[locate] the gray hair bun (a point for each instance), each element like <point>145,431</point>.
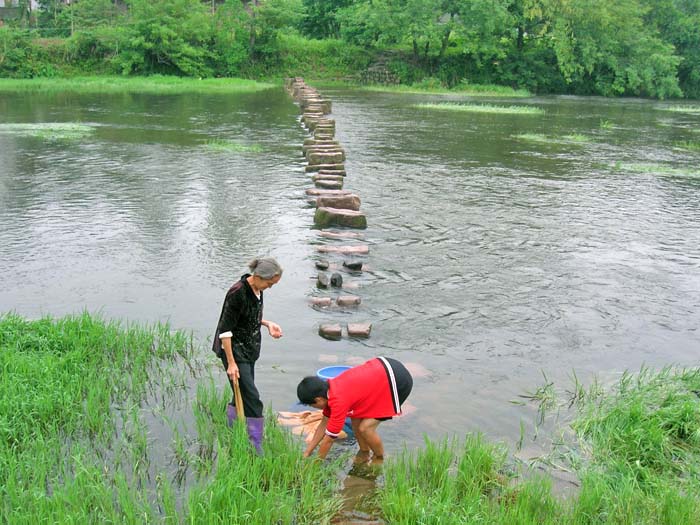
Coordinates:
<point>265,267</point>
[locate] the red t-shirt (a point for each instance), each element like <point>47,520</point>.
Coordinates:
<point>364,391</point>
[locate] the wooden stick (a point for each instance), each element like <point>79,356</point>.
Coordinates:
<point>239,401</point>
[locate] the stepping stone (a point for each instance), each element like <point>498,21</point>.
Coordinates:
<point>348,300</point>
<point>353,265</point>
<point>321,301</point>
<point>329,184</point>
<point>330,331</point>
<point>325,217</point>
<point>322,281</point>
<point>360,249</point>
<point>322,264</point>
<point>336,280</point>
<point>342,173</point>
<point>325,191</point>
<point>341,235</point>
<point>343,202</point>
<point>360,330</point>
<point>317,167</point>
<point>338,179</point>
<point>309,143</point>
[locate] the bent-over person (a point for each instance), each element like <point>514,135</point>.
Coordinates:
<point>368,394</point>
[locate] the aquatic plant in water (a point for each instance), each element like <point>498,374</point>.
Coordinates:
<point>48,130</point>
<point>680,109</point>
<point>232,146</point>
<point>657,169</point>
<point>687,145</point>
<point>463,88</point>
<point>483,108</point>
<point>546,139</point>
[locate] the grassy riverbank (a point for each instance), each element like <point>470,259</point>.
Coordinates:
<point>156,84</point>
<point>75,446</point>
<point>636,452</point>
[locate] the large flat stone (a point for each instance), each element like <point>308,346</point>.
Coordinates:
<point>325,191</point>
<point>360,249</point>
<point>330,331</point>
<point>325,217</point>
<point>361,330</point>
<point>348,300</point>
<point>317,167</point>
<point>344,202</point>
<point>329,184</point>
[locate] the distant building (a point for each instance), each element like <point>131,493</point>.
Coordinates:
<point>11,8</point>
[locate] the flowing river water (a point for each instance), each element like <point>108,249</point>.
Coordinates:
<point>503,248</point>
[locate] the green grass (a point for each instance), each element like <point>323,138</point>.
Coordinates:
<point>695,110</point>
<point>657,169</point>
<point>232,146</point>
<point>688,145</point>
<point>75,446</point>
<point>484,108</point>
<point>157,84</point>
<point>636,452</point>
<point>48,130</point>
<point>480,90</point>
<point>547,139</point>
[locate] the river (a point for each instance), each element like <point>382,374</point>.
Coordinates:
<point>503,248</point>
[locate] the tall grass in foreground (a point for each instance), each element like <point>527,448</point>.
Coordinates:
<point>75,448</point>
<point>484,108</point>
<point>156,84</point>
<point>637,457</point>
<point>61,381</point>
<point>280,487</point>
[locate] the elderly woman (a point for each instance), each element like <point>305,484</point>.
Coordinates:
<point>237,340</point>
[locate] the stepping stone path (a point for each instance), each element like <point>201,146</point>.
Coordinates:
<point>335,207</point>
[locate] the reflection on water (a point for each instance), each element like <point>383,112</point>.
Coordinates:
<point>492,258</point>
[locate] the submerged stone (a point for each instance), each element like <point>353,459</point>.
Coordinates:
<point>353,265</point>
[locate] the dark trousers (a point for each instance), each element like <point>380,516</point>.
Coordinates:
<point>252,405</point>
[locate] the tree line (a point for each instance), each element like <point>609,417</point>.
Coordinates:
<point>645,48</point>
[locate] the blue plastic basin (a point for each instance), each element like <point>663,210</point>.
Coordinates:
<point>329,372</point>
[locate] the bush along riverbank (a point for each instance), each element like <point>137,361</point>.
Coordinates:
<point>90,432</point>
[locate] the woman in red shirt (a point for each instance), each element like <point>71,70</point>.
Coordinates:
<point>368,394</point>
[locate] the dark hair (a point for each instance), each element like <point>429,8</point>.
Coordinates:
<point>310,388</point>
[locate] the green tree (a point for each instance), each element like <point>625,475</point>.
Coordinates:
<point>320,18</point>
<point>167,36</point>
<point>678,22</point>
<point>606,48</point>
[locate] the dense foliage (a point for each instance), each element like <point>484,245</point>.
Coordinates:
<point>627,47</point>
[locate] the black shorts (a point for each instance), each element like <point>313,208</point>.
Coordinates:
<point>404,382</point>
